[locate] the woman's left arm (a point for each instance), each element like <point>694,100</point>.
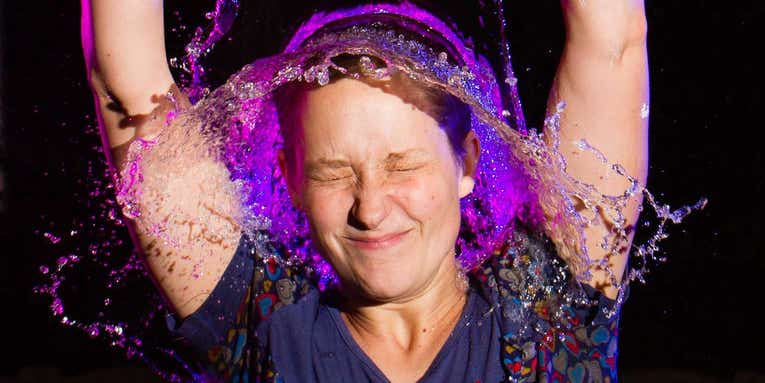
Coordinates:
<point>603,78</point>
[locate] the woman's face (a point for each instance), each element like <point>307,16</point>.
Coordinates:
<point>380,187</point>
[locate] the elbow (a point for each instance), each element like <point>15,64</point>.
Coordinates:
<point>95,76</point>
<point>100,88</point>
<point>607,37</point>
<point>96,80</point>
<point>635,32</point>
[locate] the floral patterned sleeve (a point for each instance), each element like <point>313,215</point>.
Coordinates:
<point>585,352</point>
<point>218,338</point>
<point>554,329</point>
<point>274,286</point>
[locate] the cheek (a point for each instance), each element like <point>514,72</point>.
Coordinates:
<point>430,197</point>
<point>327,209</point>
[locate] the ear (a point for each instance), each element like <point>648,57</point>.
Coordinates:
<point>472,147</point>
<point>289,179</point>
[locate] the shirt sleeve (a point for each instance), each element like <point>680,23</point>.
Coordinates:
<point>213,341</point>
<point>554,329</point>
<point>218,341</point>
<point>587,351</point>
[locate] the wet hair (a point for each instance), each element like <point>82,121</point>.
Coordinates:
<point>451,113</point>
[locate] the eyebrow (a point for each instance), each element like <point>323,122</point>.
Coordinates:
<point>328,162</point>
<point>341,163</point>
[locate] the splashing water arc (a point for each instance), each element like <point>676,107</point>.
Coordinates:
<point>229,137</point>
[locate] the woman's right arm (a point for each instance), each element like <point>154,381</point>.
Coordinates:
<point>124,46</point>
<point>123,43</point>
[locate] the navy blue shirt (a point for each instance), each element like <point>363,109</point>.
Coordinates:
<point>328,352</point>
<point>268,323</point>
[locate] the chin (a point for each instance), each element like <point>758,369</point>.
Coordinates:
<point>388,285</point>
<point>384,275</point>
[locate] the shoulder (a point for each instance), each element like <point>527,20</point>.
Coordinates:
<point>290,321</point>
<point>551,325</point>
<point>524,262</point>
<point>535,290</point>
<point>285,339</point>
<point>277,286</point>
<point>284,297</point>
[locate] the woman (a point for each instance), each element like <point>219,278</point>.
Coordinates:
<point>377,163</point>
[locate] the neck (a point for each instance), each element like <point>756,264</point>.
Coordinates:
<point>414,321</point>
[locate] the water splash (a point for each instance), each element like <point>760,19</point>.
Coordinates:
<point>201,44</point>
<point>99,259</point>
<point>234,126</point>
<point>96,254</point>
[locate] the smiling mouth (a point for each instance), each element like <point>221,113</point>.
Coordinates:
<point>375,243</point>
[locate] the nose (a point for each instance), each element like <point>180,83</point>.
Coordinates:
<point>370,207</point>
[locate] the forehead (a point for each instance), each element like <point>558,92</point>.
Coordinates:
<point>354,119</point>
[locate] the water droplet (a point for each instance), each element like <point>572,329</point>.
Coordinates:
<point>52,238</point>
<point>454,79</point>
<point>442,59</point>
<point>323,77</point>
<point>644,111</point>
<point>56,307</point>
<point>367,65</point>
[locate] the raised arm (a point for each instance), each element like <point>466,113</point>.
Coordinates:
<point>124,46</point>
<point>123,43</point>
<point>603,78</point>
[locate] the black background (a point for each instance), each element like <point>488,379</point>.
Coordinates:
<point>698,312</point>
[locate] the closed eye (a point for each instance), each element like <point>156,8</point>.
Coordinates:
<point>329,178</point>
<point>404,169</point>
